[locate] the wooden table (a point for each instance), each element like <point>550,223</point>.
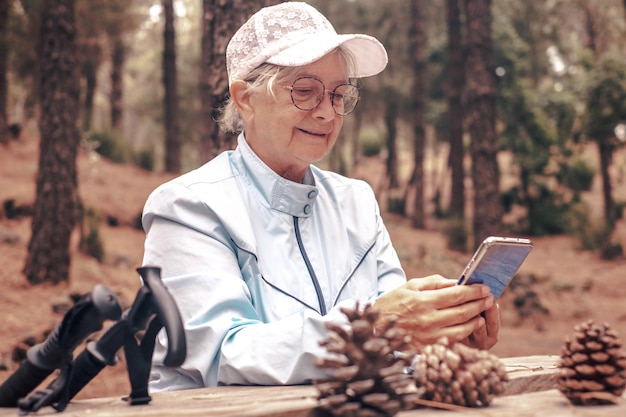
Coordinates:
<point>530,393</point>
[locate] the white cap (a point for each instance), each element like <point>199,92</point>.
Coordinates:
<point>295,34</point>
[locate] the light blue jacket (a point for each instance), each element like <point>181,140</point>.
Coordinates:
<point>258,264</point>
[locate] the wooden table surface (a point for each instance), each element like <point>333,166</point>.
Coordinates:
<point>530,393</point>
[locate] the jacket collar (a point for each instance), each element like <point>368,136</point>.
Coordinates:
<point>280,194</point>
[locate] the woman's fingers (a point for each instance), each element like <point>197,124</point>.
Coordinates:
<point>456,323</point>
<point>492,326</point>
<point>433,307</point>
<point>463,313</point>
<point>486,336</point>
<point>457,333</point>
<point>431,282</point>
<point>444,293</point>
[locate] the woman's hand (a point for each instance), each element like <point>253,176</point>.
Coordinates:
<point>486,336</point>
<point>433,307</point>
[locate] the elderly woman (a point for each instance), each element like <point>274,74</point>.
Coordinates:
<point>260,248</point>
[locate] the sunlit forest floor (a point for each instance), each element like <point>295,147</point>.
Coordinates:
<point>558,286</point>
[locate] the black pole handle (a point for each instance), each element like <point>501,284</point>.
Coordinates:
<point>168,314</point>
<point>98,354</point>
<point>84,318</point>
<point>25,379</point>
<point>153,307</point>
<point>86,367</point>
<point>152,299</point>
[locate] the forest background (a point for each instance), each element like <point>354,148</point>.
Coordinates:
<point>493,117</point>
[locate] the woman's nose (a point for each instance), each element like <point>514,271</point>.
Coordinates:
<point>325,108</point>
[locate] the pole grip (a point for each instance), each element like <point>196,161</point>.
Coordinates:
<point>168,314</point>
<point>86,367</point>
<point>27,377</point>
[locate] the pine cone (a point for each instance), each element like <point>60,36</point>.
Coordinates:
<point>370,378</point>
<point>458,374</point>
<point>592,365</point>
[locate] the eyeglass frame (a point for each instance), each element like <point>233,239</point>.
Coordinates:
<point>331,93</point>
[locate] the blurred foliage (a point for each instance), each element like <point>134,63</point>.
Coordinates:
<point>91,242</point>
<point>112,145</point>
<point>544,82</point>
<point>371,142</point>
<point>457,232</point>
<point>577,174</point>
<point>145,160</point>
<point>15,130</point>
<point>592,233</point>
<point>606,103</point>
<point>546,210</point>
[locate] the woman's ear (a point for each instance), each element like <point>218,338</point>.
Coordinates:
<point>241,97</point>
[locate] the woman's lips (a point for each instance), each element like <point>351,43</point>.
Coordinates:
<point>314,133</point>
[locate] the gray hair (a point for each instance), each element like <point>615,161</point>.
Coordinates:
<point>266,76</point>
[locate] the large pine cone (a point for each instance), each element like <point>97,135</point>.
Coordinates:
<point>370,378</point>
<point>592,365</point>
<point>458,374</point>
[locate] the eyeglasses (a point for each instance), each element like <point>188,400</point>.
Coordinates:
<point>308,92</point>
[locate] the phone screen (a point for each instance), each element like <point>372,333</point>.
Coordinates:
<point>496,262</point>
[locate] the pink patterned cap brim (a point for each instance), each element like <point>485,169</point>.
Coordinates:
<point>369,54</point>
<point>296,34</point>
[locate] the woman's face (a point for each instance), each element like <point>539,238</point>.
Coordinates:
<point>286,138</point>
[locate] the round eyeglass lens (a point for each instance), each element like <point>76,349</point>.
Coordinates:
<point>345,97</point>
<point>307,93</point>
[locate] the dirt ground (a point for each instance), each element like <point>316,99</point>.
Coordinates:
<point>558,285</point>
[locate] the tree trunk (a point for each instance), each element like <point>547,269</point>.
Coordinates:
<point>220,20</point>
<point>590,29</point>
<point>605,149</point>
<point>337,158</point>
<point>391,117</point>
<point>417,42</point>
<point>606,156</point>
<point>56,203</point>
<point>90,69</point>
<point>481,105</point>
<point>117,85</point>
<point>173,158</point>
<point>4,90</point>
<point>455,109</point>
<point>357,121</point>
<point>88,40</point>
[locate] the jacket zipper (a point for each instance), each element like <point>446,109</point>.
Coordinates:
<point>309,267</point>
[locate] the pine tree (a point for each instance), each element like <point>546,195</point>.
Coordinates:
<point>481,119</point>
<point>5,6</point>
<point>220,20</point>
<point>455,108</point>
<point>173,147</point>
<point>56,203</point>
<point>417,40</point>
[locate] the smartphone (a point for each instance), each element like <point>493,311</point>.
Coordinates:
<point>495,262</point>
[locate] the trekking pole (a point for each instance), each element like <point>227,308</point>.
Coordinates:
<point>84,318</point>
<point>154,308</point>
